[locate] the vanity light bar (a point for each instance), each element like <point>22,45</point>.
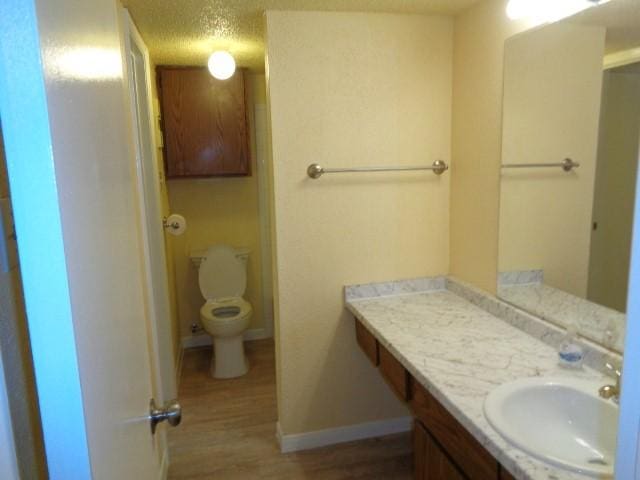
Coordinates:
<point>567,165</point>
<point>316,171</point>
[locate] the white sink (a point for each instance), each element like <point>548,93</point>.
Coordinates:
<point>560,421</point>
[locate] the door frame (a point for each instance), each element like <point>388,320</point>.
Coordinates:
<point>160,326</point>
<point>8,457</point>
<point>628,449</point>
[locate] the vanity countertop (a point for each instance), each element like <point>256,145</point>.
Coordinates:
<point>459,353</point>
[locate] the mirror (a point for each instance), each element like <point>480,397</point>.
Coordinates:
<point>571,130</point>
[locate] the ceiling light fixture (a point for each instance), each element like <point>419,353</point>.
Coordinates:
<point>221,65</point>
<point>547,10</point>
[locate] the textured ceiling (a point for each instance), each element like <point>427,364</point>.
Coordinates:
<point>185,32</point>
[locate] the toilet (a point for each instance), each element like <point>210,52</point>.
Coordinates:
<point>225,315</point>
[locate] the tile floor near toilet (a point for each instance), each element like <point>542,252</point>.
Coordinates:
<point>228,431</point>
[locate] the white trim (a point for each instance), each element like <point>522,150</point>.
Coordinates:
<point>164,465</point>
<point>157,283</point>
<point>619,59</point>
<point>203,339</point>
<point>628,449</point>
<point>194,341</point>
<point>256,334</point>
<point>331,436</point>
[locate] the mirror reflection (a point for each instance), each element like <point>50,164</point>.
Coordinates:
<point>571,124</point>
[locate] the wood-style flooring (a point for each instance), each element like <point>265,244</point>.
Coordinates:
<point>228,431</point>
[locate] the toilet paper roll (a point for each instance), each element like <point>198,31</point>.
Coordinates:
<point>175,224</point>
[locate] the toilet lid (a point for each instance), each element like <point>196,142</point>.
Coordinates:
<point>222,274</point>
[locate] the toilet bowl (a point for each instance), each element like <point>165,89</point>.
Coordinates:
<point>225,315</point>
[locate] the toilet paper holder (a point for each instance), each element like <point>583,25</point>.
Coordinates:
<point>172,225</point>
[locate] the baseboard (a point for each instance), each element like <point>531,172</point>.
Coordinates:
<point>321,438</point>
<point>201,340</point>
<point>164,465</point>
<point>256,334</point>
<point>193,341</point>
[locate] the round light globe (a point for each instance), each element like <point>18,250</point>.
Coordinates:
<point>221,65</point>
<point>518,9</point>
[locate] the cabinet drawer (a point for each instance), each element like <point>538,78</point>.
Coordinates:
<point>367,342</point>
<point>470,456</point>
<point>394,372</point>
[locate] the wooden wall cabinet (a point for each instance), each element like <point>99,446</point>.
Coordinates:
<point>204,123</point>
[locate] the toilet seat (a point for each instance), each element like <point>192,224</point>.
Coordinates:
<point>224,305</point>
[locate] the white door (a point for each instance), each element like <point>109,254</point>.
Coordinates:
<point>71,162</point>
<point>139,79</point>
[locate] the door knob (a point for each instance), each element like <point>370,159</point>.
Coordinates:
<point>171,412</point>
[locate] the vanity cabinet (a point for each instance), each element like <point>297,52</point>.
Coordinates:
<point>395,374</point>
<point>443,448</point>
<point>430,461</point>
<point>470,457</point>
<point>504,475</point>
<point>367,343</point>
<point>204,123</point>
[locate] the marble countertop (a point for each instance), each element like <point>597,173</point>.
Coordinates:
<point>594,321</point>
<point>460,352</point>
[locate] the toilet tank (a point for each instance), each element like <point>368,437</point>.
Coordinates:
<point>197,256</point>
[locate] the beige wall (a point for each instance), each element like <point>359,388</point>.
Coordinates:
<point>219,210</point>
<point>552,89</point>
<point>16,359</point>
<point>479,36</point>
<point>166,211</point>
<point>615,188</point>
<point>349,89</point>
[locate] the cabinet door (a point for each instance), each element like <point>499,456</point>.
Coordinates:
<point>505,475</point>
<point>430,461</point>
<point>204,123</point>
<point>472,458</point>
<point>367,342</point>
<point>393,371</point>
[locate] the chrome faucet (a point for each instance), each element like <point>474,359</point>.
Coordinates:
<point>612,391</point>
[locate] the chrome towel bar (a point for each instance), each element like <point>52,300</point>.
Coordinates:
<point>316,171</point>
<point>567,165</point>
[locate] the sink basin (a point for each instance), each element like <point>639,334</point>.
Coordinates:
<point>560,421</point>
